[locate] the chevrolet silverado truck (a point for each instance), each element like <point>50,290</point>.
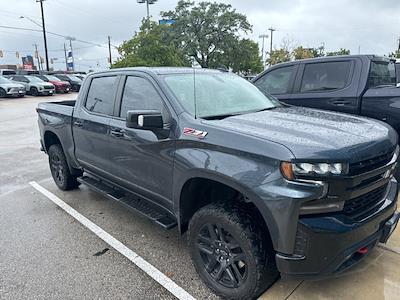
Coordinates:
<point>261,188</point>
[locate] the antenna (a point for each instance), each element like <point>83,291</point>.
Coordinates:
<point>194,93</point>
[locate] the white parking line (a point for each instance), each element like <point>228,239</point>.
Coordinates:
<point>149,269</point>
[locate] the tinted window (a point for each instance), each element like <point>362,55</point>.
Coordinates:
<point>325,76</point>
<point>140,94</point>
<point>100,98</point>
<point>276,81</point>
<point>381,73</point>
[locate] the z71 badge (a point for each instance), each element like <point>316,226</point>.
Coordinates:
<point>193,132</point>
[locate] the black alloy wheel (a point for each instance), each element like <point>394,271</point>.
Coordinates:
<point>222,257</point>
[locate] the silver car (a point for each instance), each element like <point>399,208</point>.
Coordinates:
<point>34,85</point>
<point>10,89</point>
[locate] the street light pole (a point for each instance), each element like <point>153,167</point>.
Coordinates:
<point>148,2</point>
<point>272,32</point>
<point>44,35</point>
<point>263,37</point>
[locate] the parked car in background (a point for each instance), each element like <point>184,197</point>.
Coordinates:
<point>34,85</point>
<point>10,89</point>
<point>397,65</point>
<point>60,86</point>
<point>357,84</point>
<point>260,187</point>
<point>4,72</point>
<point>80,76</point>
<point>74,81</point>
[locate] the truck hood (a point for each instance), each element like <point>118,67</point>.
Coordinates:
<point>316,134</point>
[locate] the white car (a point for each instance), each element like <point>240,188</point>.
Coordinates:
<point>34,85</point>
<point>10,89</point>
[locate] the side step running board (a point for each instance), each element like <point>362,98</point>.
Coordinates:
<point>136,204</point>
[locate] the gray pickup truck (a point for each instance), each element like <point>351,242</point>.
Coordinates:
<point>262,188</point>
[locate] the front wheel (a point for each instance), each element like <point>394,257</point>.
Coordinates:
<point>3,93</point>
<point>230,252</point>
<point>34,91</point>
<point>60,170</point>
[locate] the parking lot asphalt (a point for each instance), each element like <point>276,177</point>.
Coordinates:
<point>46,253</point>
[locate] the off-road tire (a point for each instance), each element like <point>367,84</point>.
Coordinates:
<point>243,226</point>
<point>59,169</point>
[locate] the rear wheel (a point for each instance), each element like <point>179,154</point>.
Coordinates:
<point>60,170</point>
<point>230,252</point>
<point>34,91</point>
<point>75,88</point>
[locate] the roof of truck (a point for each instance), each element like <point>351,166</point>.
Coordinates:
<point>163,70</point>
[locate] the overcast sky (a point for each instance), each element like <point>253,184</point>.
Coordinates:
<point>371,26</point>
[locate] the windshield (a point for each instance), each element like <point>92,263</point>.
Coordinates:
<point>218,94</point>
<point>34,79</point>
<point>52,78</point>
<point>4,80</point>
<point>381,73</point>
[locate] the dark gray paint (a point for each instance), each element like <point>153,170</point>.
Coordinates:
<point>243,152</point>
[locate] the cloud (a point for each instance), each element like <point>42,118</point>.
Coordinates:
<point>370,25</point>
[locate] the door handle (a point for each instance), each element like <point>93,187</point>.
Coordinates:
<point>340,103</point>
<point>78,123</point>
<point>117,132</point>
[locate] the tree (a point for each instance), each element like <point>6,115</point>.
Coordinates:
<point>207,32</point>
<point>278,56</point>
<point>302,53</point>
<point>151,46</point>
<point>341,51</point>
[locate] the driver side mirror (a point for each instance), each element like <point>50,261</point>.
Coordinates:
<point>144,119</point>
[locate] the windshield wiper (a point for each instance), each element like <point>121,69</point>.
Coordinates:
<point>322,88</point>
<point>219,117</point>
<point>383,86</point>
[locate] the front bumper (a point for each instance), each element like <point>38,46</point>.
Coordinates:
<point>329,244</point>
<point>16,93</point>
<point>62,89</point>
<point>46,92</point>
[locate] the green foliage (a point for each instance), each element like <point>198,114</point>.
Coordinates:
<point>395,54</point>
<point>209,33</point>
<point>342,51</point>
<point>302,53</point>
<point>279,56</point>
<point>151,46</point>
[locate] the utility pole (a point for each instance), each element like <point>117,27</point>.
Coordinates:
<point>399,44</point>
<point>66,61</point>
<point>109,51</point>
<point>44,35</point>
<point>37,56</point>
<point>263,37</point>
<point>272,33</point>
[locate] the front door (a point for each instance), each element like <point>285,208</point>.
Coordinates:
<point>143,159</point>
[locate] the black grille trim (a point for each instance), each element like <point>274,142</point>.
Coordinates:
<point>370,164</point>
<point>360,207</point>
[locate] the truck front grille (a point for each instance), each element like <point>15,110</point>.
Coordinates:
<point>370,164</point>
<point>361,207</point>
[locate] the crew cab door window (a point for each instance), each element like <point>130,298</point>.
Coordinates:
<point>100,98</point>
<point>140,94</point>
<point>326,76</point>
<point>277,81</point>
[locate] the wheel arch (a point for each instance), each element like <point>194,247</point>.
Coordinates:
<point>188,200</point>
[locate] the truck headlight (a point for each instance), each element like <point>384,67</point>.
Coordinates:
<point>289,170</point>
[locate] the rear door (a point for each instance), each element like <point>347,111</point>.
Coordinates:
<point>329,85</point>
<point>143,159</point>
<point>91,124</point>
<point>278,81</point>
